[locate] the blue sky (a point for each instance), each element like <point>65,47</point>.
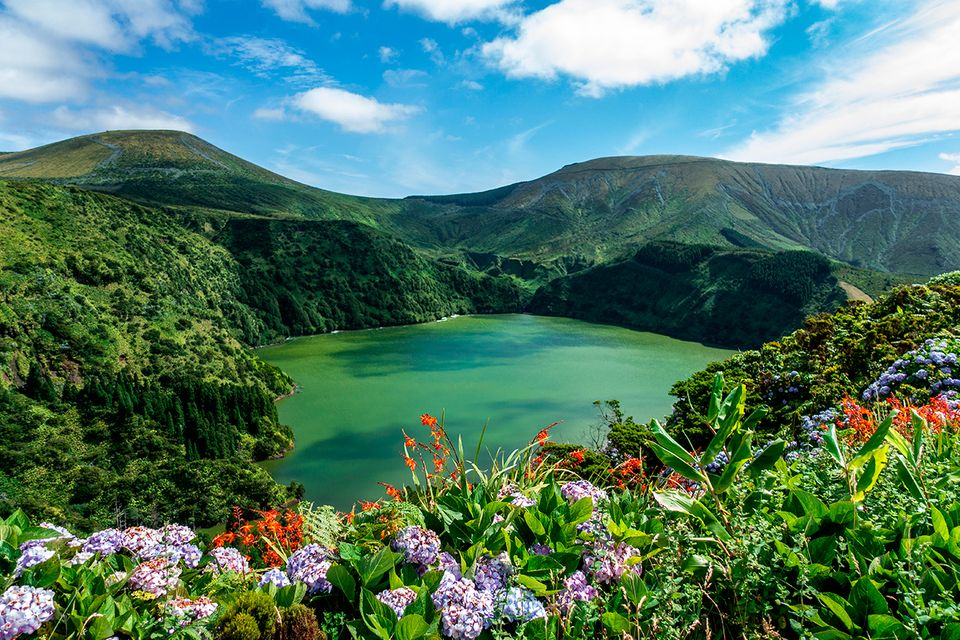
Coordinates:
<point>396,97</point>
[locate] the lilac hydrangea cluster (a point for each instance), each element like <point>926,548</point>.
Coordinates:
<point>188,554</point>
<point>579,489</point>
<point>141,541</point>
<point>397,599</point>
<point>719,462</point>
<point>516,497</point>
<point>418,545</point>
<point>814,425</point>
<point>465,610</point>
<point>276,577</point>
<point>185,611</point>
<point>520,605</point>
<point>931,367</point>
<point>538,549</point>
<point>227,559</point>
<point>447,563</point>
<point>309,565</point>
<point>32,553</point>
<point>63,534</point>
<point>607,562</point>
<point>491,574</point>
<point>177,535</point>
<point>575,589</point>
<point>23,610</point>
<point>156,577</point>
<point>104,542</point>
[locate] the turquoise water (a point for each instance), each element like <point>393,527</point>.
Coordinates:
<point>517,373</point>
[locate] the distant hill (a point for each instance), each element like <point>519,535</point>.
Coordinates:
<point>584,214</point>
<point>600,210</point>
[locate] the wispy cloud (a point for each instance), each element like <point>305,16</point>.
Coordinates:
<point>51,50</point>
<point>351,111</point>
<point>296,10</point>
<point>118,117</point>
<point>455,11</point>
<point>896,88</point>
<point>269,57</point>
<point>611,44</point>
<point>955,159</point>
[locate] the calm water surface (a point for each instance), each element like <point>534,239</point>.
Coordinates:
<point>518,373</point>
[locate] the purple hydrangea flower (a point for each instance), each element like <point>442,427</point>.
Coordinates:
<point>491,573</point>
<point>520,605</point>
<point>64,534</point>
<point>575,589</point>
<point>188,554</point>
<point>419,545</point>
<point>573,491</point>
<point>104,542</point>
<point>140,541</point>
<point>447,563</point>
<point>309,565</point>
<point>276,577</point>
<point>608,562</point>
<point>23,610</point>
<point>397,599</point>
<point>156,577</point>
<point>465,610</point>
<point>177,535</point>
<point>227,559</point>
<point>538,549</point>
<point>185,611</point>
<point>32,553</point>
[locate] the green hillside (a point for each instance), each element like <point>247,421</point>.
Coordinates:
<point>126,383</point>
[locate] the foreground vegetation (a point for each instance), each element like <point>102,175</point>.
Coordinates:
<point>843,525</point>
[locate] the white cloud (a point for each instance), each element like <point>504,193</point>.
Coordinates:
<point>50,50</point>
<point>387,54</point>
<point>883,95</point>
<point>118,117</point>
<point>472,85</point>
<point>454,11</point>
<point>267,56</point>
<point>353,112</point>
<point>610,44</point>
<point>955,159</point>
<point>296,10</point>
<point>405,77</point>
<point>265,113</point>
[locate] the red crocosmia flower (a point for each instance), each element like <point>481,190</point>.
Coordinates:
<point>427,420</point>
<point>408,442</point>
<point>410,462</point>
<point>369,506</point>
<point>577,456</point>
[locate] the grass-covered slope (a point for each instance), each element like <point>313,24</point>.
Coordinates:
<point>897,221</point>
<point>177,168</point>
<point>729,297</point>
<point>123,389</point>
<point>126,382</point>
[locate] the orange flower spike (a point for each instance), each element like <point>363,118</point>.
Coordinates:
<point>408,442</point>
<point>410,462</point>
<point>439,464</point>
<point>427,420</point>
<point>577,456</point>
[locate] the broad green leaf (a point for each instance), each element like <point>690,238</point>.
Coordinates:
<point>411,627</point>
<point>906,477</point>
<point>832,445</point>
<point>716,395</point>
<point>680,465</point>
<point>836,606</point>
<point>865,599</point>
<point>871,473</point>
<point>751,421</point>
<point>615,623</point>
<point>371,568</point>
<point>667,442</point>
<point>536,527</point>
<point>342,579</point>
<point>767,458</point>
<point>739,458</point>
<point>679,502</point>
<point>886,627</point>
<point>873,444</point>
<point>581,510</point>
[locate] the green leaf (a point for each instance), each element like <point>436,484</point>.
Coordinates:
<point>580,511</point>
<point>371,568</point>
<point>538,588</point>
<point>411,627</point>
<point>739,458</point>
<point>667,442</point>
<point>832,445</point>
<point>754,418</point>
<point>871,473</point>
<point>886,627</point>
<point>767,458</point>
<point>100,628</point>
<point>907,479</point>
<point>836,606</point>
<point>682,503</point>
<point>615,623</point>
<point>873,444</point>
<point>866,599</point>
<point>940,527</point>
<point>715,396</point>
<point>676,463</point>
<point>342,579</point>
